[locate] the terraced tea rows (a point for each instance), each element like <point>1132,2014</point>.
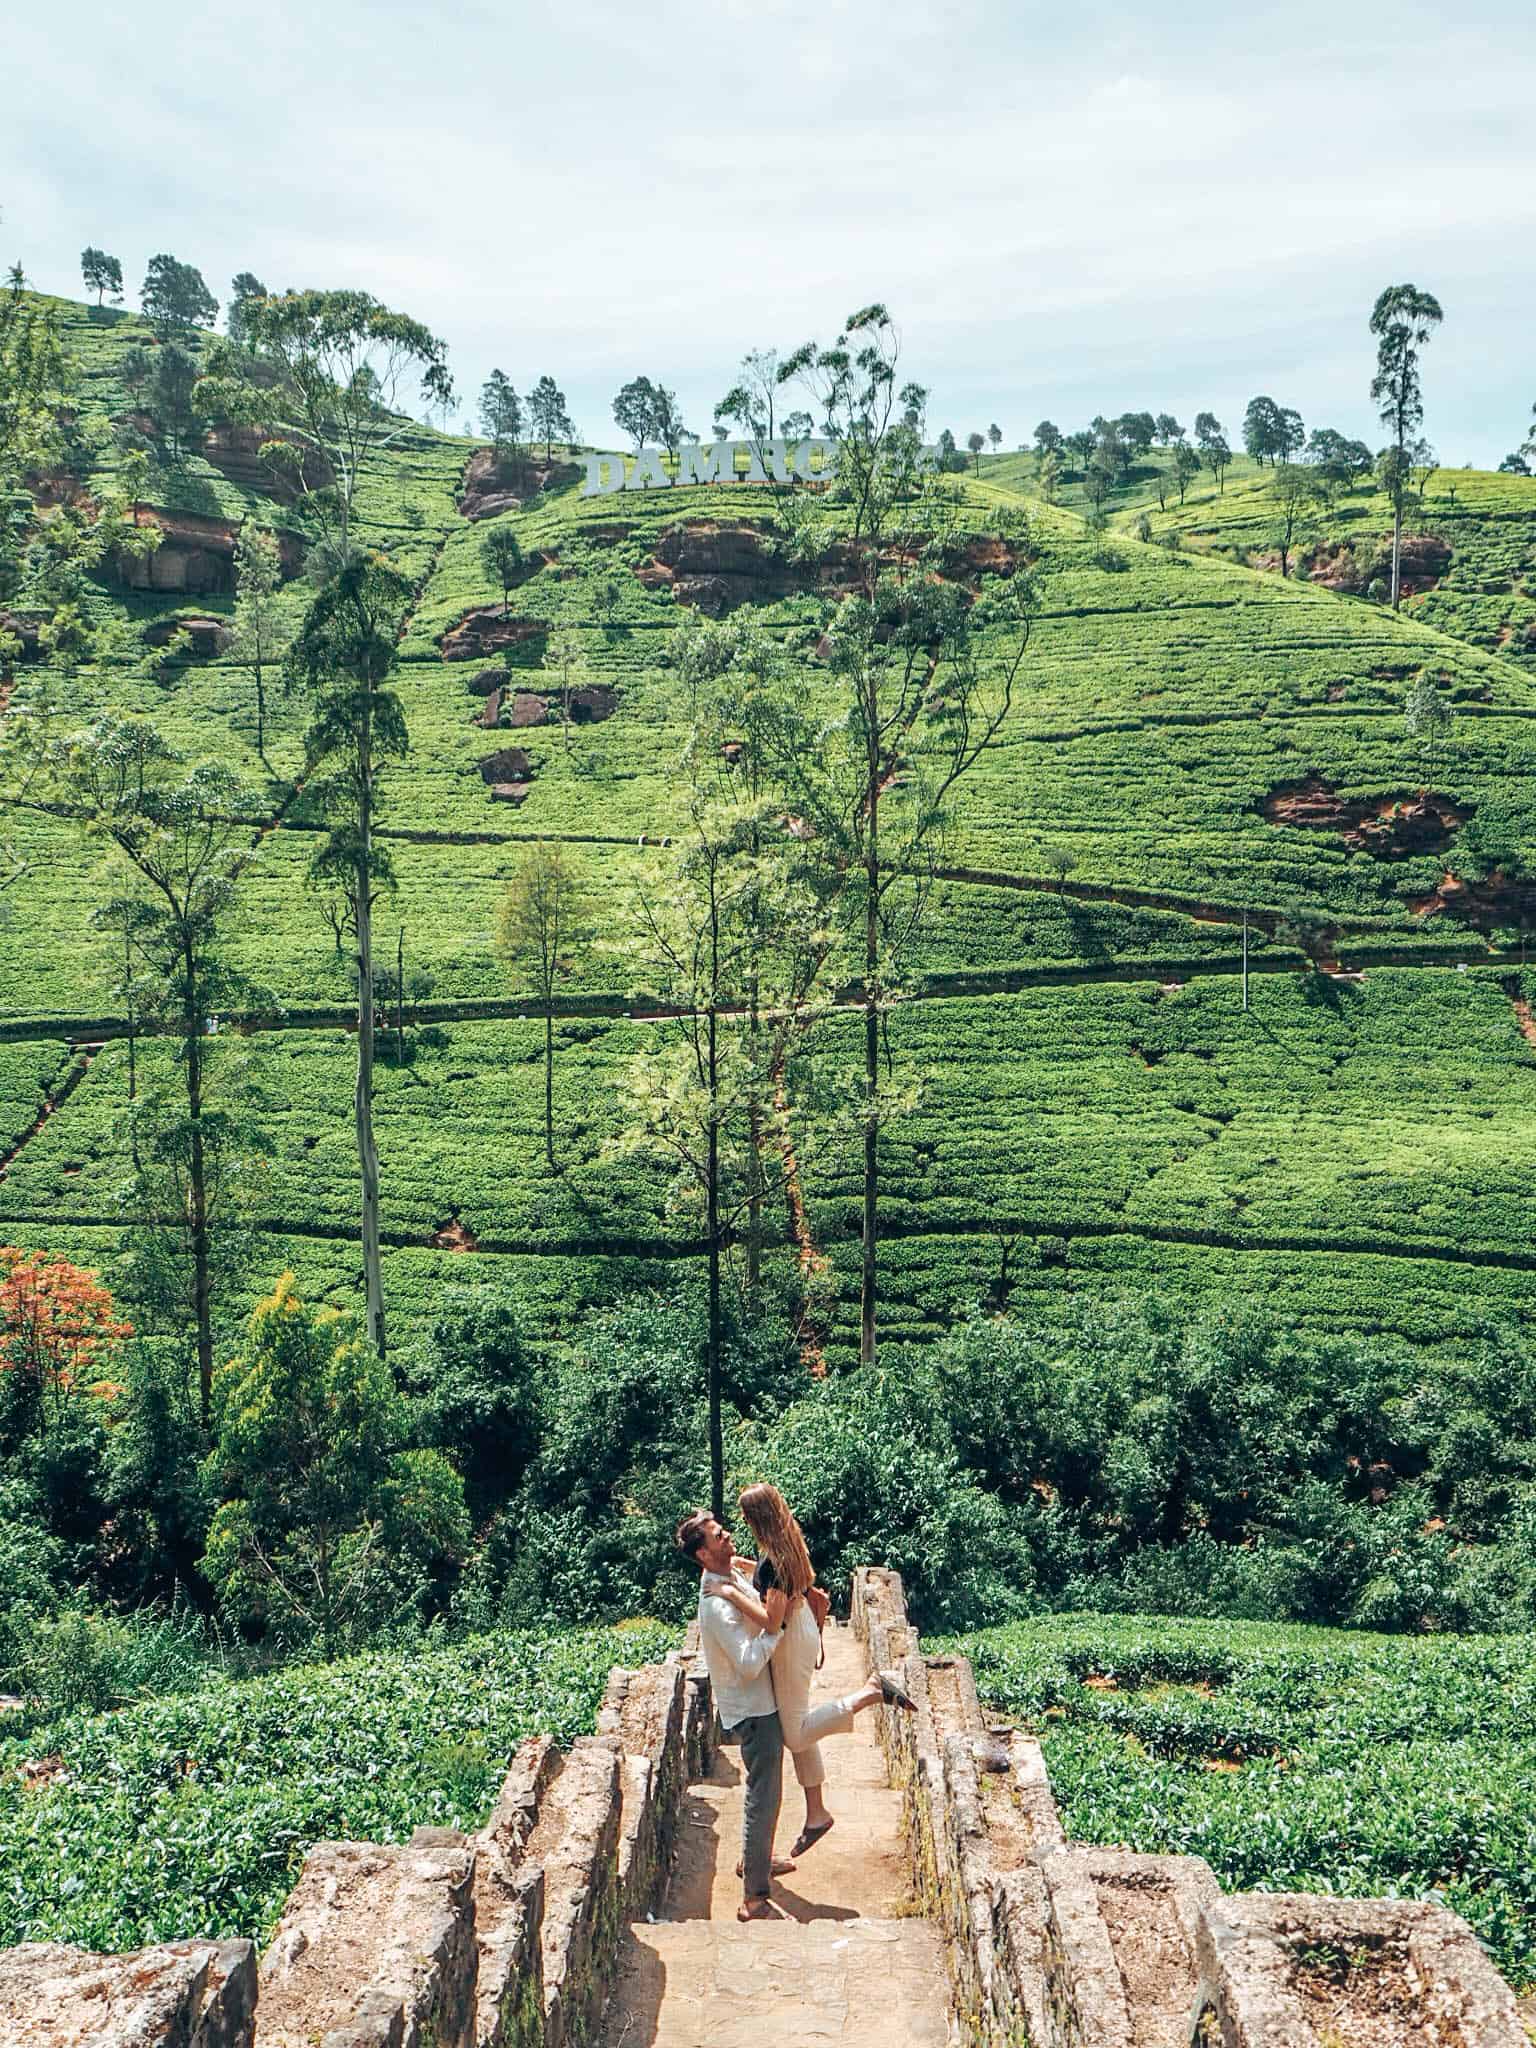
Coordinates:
<point>1133,810</point>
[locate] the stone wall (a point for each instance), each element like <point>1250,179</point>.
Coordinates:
<point>1059,1945</point>
<point>502,1939</point>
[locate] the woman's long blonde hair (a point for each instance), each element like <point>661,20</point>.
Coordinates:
<point>767,1514</point>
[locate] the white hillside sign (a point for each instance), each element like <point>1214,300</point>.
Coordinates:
<point>811,461</point>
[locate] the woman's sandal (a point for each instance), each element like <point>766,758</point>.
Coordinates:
<point>758,1909</point>
<point>895,1695</point>
<point>809,1837</point>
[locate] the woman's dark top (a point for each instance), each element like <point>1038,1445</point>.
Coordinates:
<point>765,1577</point>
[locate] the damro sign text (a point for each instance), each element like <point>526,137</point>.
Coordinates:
<point>812,461</point>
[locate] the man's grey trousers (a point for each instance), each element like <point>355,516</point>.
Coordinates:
<point>762,1752</point>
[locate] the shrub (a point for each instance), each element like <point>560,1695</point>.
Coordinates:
<point>873,1473</point>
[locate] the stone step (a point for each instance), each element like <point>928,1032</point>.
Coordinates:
<point>376,1946</point>
<point>722,1984</point>
<point>1282,1970</point>
<point>184,1994</point>
<point>1122,1936</point>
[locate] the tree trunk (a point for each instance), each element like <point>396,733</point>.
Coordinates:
<point>716,1437</point>
<point>871,1059</point>
<point>754,1155</point>
<point>202,1302</point>
<point>133,1028</point>
<point>367,1153</point>
<point>261,713</point>
<point>549,1079</point>
<point>1397,542</point>
<point>400,997</point>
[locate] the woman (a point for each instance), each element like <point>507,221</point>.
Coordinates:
<point>784,1566</point>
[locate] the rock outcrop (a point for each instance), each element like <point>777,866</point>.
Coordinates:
<point>490,486</point>
<point>236,453</point>
<point>717,565</point>
<point>484,631</point>
<point>1389,827</point>
<point>196,555</point>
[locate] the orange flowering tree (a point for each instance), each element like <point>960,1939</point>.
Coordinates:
<point>59,1334</point>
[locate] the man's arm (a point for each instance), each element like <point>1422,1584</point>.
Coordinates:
<point>749,1649</point>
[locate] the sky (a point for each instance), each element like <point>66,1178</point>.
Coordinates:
<point>1108,209</point>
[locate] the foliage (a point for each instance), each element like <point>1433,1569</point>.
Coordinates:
<point>1290,1759</point>
<point>259,638</point>
<point>501,556</point>
<point>190,1815</point>
<point>476,1392</point>
<point>59,1339</point>
<point>328,1521</point>
<point>175,299</point>
<point>544,920</point>
<point>343,656</point>
<point>322,372</point>
<point>102,274</point>
<point>501,413</point>
<point>873,1472</point>
<point>548,420</point>
<point>648,411</point>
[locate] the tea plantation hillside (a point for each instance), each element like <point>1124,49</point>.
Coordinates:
<point>1193,744</point>
<point>1469,552</point>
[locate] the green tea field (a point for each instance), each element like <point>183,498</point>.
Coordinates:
<point>1292,1759</point>
<point>1195,749</point>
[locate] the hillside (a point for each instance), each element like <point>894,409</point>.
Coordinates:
<point>1192,741</point>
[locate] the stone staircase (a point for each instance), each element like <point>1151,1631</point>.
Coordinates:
<point>598,1904</point>
<point>1065,1946</point>
<point>847,1961</point>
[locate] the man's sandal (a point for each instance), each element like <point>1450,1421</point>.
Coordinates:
<point>809,1837</point>
<point>895,1695</point>
<point>781,1867</point>
<point>758,1909</point>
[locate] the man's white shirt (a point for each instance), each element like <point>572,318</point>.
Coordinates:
<point>735,1655</point>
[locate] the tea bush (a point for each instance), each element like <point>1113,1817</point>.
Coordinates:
<point>1291,1759</point>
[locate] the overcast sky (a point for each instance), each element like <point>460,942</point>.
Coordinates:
<point>1159,207</point>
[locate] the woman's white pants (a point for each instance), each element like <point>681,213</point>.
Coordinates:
<point>792,1668</point>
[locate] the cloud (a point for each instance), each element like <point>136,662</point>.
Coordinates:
<point>1067,214</point>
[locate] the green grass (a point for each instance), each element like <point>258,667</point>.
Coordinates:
<point>1165,695</point>
<point>1292,1759</point>
<point>190,1815</point>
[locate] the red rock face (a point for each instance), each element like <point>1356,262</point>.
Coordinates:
<point>236,453</point>
<point>716,565</point>
<point>1497,900</point>
<point>490,487</point>
<point>1389,827</point>
<point>209,636</point>
<point>507,764</point>
<point>196,555</point>
<point>484,631</point>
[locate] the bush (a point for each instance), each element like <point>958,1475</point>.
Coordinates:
<point>1230,1467</point>
<point>475,1393</point>
<point>872,1471</point>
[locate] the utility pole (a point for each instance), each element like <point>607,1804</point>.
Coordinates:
<point>1245,959</point>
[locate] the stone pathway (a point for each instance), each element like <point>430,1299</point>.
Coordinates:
<point>849,1960</point>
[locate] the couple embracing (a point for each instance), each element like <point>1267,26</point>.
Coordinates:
<point>761,1633</point>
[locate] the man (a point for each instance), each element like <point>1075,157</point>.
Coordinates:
<point>736,1656</point>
